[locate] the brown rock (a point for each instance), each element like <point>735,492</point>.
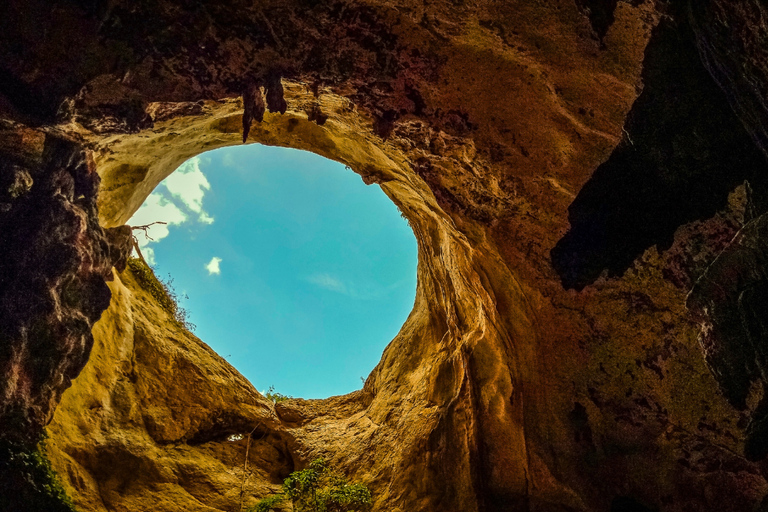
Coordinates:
<point>507,125</point>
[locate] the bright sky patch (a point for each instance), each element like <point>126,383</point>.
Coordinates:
<point>189,184</point>
<point>319,270</point>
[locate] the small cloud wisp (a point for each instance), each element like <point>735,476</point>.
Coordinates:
<point>213,266</point>
<point>328,282</point>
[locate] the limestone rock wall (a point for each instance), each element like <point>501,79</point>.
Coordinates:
<point>156,406</point>
<point>571,170</point>
<point>55,258</point>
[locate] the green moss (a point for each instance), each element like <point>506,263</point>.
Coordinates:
<point>162,291</point>
<point>317,488</point>
<point>27,480</point>
<point>276,502</point>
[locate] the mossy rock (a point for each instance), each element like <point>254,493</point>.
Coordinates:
<point>161,291</point>
<point>28,482</point>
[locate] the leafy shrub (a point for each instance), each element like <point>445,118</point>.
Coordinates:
<point>268,504</point>
<point>276,397</point>
<point>317,488</point>
<point>27,480</point>
<point>162,291</point>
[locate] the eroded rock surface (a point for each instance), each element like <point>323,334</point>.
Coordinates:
<point>158,406</point>
<point>612,147</point>
<point>55,259</point>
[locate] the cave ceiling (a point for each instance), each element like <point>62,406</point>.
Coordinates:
<point>586,180</point>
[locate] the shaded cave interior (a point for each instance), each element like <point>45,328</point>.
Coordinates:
<point>519,382</point>
<point>136,164</point>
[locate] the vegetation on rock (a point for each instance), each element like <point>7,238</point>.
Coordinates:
<point>27,480</point>
<point>317,488</point>
<point>162,291</point>
<point>274,396</point>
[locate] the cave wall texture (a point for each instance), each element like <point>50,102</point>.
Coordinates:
<point>586,180</point>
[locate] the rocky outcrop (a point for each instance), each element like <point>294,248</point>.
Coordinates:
<point>729,302</point>
<point>677,163</point>
<point>132,410</point>
<point>535,148</point>
<point>732,39</point>
<point>55,258</point>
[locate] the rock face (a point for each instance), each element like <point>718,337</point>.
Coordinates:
<point>55,258</point>
<point>571,171</point>
<point>131,410</point>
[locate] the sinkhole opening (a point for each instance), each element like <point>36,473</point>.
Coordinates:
<point>288,265</point>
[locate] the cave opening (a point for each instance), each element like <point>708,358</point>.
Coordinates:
<point>287,264</point>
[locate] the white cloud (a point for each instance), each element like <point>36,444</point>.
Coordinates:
<point>155,209</point>
<point>189,184</point>
<point>149,255</point>
<point>328,282</point>
<point>213,266</point>
<point>356,290</point>
<point>179,201</point>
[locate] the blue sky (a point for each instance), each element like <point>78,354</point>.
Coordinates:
<point>297,272</point>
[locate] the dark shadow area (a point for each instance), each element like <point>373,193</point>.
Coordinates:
<point>627,504</point>
<point>683,151</point>
<point>732,38</point>
<point>731,301</point>
<point>600,14</point>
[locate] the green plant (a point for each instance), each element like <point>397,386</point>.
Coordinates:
<point>276,397</point>
<point>317,488</point>
<point>268,504</point>
<point>162,291</point>
<point>27,480</point>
